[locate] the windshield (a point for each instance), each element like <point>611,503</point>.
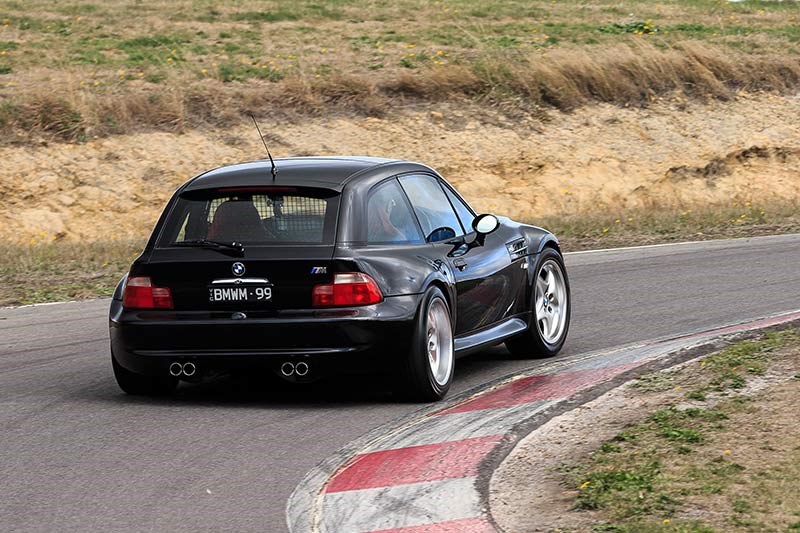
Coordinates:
<point>255,216</point>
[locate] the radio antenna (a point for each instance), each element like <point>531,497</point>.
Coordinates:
<point>260,136</point>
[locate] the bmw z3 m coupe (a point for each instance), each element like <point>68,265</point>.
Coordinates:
<point>312,267</point>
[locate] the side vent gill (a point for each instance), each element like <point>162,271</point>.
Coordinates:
<point>517,249</point>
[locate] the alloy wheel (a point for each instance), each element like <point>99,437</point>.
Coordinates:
<point>439,342</point>
<point>551,302</point>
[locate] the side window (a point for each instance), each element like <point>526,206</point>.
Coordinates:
<point>465,214</point>
<point>431,206</point>
<point>389,220</point>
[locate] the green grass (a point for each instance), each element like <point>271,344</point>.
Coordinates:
<point>641,479</point>
<point>241,71</point>
<point>462,26</point>
<point>267,16</point>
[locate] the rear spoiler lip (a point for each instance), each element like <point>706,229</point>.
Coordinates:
<point>262,189</point>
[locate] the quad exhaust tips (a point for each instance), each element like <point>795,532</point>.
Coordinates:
<point>289,369</point>
<point>177,369</point>
<point>301,369</point>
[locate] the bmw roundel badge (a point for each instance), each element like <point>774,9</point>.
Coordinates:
<point>238,269</point>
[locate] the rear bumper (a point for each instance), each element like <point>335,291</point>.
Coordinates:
<point>360,339</point>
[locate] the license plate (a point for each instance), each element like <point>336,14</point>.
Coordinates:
<point>249,293</point>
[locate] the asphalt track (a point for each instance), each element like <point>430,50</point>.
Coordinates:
<point>77,454</point>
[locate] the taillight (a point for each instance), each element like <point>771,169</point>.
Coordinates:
<point>140,293</point>
<point>347,289</point>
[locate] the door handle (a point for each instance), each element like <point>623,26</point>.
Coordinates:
<point>460,264</point>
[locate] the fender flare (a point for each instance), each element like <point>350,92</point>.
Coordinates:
<point>445,280</point>
<point>118,290</point>
<point>548,240</point>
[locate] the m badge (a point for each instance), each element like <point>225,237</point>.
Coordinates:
<point>319,270</point>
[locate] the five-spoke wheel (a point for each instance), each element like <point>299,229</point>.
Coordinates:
<point>428,367</point>
<point>550,301</point>
<point>550,310</point>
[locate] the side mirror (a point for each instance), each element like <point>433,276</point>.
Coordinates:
<point>441,234</point>
<point>483,226</point>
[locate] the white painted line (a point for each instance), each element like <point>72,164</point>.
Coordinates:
<point>417,504</point>
<point>642,247</point>
<point>49,304</point>
<point>458,426</point>
<point>43,304</point>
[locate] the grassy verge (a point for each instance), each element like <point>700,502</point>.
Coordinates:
<point>717,458</point>
<point>62,270</point>
<point>57,271</point>
<point>654,226</point>
<point>76,70</point>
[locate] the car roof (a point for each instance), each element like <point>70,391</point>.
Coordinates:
<point>326,172</point>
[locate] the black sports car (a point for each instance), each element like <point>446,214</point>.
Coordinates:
<point>334,264</point>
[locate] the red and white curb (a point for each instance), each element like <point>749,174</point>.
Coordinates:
<point>420,474</point>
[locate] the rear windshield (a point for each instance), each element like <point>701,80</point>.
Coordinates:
<point>257,216</point>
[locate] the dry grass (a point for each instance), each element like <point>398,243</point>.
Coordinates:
<point>63,271</point>
<point>602,229</point>
<point>75,70</point>
<point>635,74</point>
<point>562,79</point>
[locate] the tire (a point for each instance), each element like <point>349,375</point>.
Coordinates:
<point>428,366</point>
<point>139,385</point>
<point>551,309</point>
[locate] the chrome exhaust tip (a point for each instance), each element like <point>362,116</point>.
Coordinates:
<point>287,369</point>
<point>189,369</point>
<point>301,369</point>
<point>175,369</point>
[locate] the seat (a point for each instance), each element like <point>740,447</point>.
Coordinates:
<point>237,221</point>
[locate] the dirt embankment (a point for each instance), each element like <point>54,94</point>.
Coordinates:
<point>600,158</point>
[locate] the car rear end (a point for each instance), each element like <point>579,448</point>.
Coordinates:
<point>245,278</point>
